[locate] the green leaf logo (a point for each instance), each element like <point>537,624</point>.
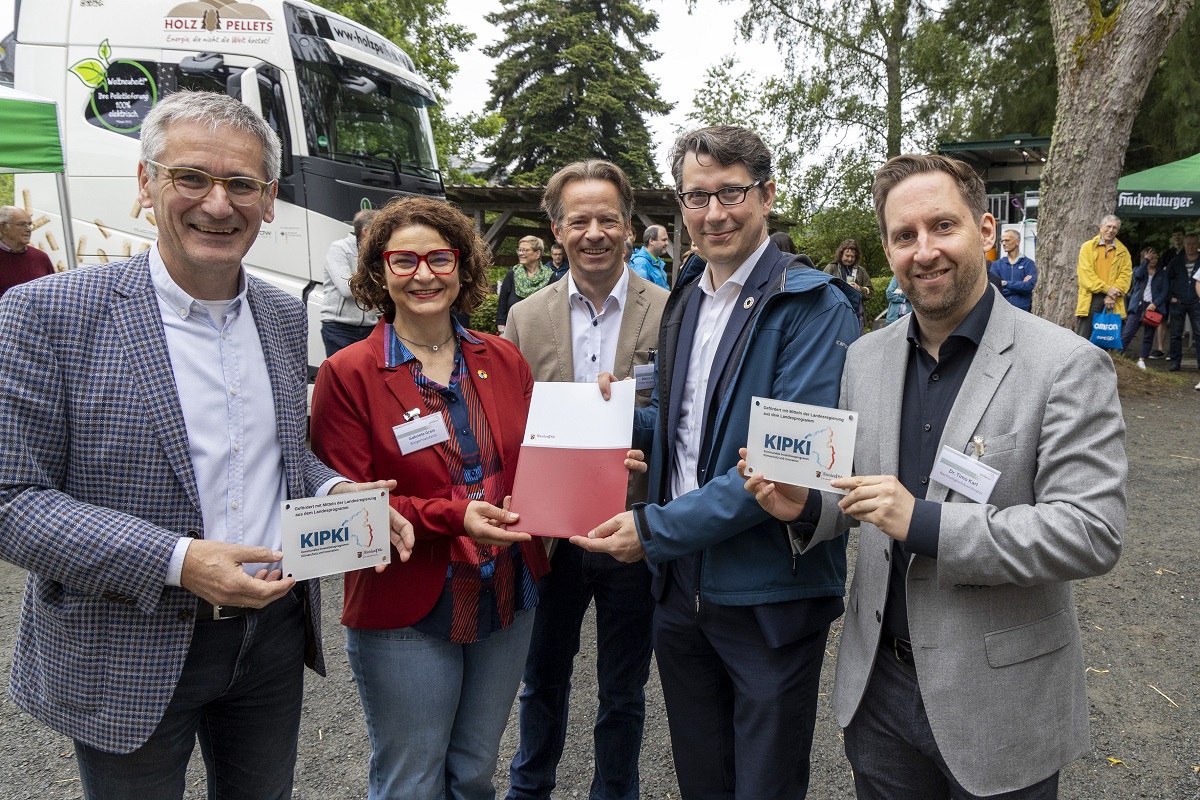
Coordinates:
<point>93,73</point>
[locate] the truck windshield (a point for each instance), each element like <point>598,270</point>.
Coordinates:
<point>366,116</point>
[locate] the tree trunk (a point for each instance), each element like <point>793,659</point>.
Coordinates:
<point>1104,67</point>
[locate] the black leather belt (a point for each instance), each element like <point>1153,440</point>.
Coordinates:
<point>206,610</point>
<point>902,649</point>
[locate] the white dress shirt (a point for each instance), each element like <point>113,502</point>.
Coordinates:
<point>218,363</point>
<point>594,333</point>
<point>716,307</point>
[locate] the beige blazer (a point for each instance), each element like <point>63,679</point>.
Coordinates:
<point>992,619</point>
<point>540,325</point>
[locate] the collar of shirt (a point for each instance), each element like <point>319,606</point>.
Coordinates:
<point>616,295</point>
<point>396,353</point>
<point>594,333</point>
<point>739,276</point>
<point>8,249</point>
<point>971,328</point>
<point>180,301</point>
<point>1101,243</point>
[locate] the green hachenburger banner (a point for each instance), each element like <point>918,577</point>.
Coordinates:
<point>29,138</point>
<point>1170,190</point>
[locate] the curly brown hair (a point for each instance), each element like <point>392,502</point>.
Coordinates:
<point>369,283</point>
<point>848,244</point>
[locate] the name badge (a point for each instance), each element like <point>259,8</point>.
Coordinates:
<point>643,376</point>
<point>965,475</point>
<point>421,433</point>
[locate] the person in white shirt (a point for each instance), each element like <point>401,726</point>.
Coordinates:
<point>603,318</point>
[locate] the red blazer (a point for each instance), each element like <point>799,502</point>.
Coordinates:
<point>356,403</point>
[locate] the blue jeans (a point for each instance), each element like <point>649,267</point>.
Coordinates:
<point>1133,321</point>
<point>435,709</point>
<point>240,693</point>
<point>624,610</point>
<point>891,747</point>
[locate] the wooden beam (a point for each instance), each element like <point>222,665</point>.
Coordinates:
<point>497,226</point>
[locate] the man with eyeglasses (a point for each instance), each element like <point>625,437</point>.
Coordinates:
<point>19,263</point>
<point>154,414</point>
<point>740,622</point>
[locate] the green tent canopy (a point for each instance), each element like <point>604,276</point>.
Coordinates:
<point>1170,190</point>
<point>29,137</point>
<point>31,141</point>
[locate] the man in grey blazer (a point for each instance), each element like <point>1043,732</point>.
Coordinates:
<point>602,318</point>
<point>960,670</point>
<point>154,417</point>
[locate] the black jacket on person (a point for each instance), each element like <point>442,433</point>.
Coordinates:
<point>1182,287</point>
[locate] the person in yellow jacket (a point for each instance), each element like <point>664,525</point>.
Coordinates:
<point>1105,272</point>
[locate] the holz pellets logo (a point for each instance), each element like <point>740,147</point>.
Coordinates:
<point>217,16</point>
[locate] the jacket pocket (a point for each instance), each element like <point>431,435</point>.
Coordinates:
<point>1023,642</point>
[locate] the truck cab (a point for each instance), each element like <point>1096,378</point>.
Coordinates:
<point>348,105</point>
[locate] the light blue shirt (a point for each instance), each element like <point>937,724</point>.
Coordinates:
<point>229,410</point>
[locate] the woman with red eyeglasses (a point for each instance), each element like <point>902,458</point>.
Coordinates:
<point>436,643</point>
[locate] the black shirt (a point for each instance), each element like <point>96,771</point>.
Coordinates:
<point>930,389</point>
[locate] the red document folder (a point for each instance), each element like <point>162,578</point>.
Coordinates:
<point>571,472</point>
<point>567,492</point>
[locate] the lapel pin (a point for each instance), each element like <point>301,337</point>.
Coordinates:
<point>481,374</point>
<point>749,303</point>
<point>978,442</point>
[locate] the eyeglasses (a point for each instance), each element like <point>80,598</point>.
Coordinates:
<point>23,225</point>
<point>727,196</point>
<point>195,184</point>
<point>403,263</point>
<point>523,252</point>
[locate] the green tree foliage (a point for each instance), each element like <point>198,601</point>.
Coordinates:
<point>571,85</point>
<point>420,28</point>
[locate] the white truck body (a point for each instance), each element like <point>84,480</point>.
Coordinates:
<point>347,103</point>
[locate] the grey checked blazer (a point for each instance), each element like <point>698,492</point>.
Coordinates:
<point>96,486</point>
<point>992,619</point>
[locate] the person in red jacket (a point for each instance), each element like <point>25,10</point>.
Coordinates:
<point>436,643</point>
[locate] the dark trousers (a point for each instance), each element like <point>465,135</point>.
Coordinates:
<point>891,747</point>
<point>1132,322</point>
<point>1180,311</point>
<point>741,713</point>
<point>337,335</point>
<point>240,693</point>
<point>624,608</point>
<point>1084,324</point>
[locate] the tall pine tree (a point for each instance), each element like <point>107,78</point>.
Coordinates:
<point>570,85</point>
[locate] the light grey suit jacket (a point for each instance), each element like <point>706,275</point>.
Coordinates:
<point>993,623</point>
<point>540,326</point>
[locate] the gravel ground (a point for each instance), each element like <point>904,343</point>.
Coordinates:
<point>1140,647</point>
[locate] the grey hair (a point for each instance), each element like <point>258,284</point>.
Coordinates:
<point>652,233</point>
<point>727,145</point>
<point>6,213</point>
<point>1110,218</point>
<point>214,111</point>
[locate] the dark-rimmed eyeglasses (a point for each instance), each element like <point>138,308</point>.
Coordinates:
<point>195,184</point>
<point>726,196</point>
<point>403,263</point>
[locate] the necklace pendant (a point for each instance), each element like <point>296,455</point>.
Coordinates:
<point>434,347</point>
